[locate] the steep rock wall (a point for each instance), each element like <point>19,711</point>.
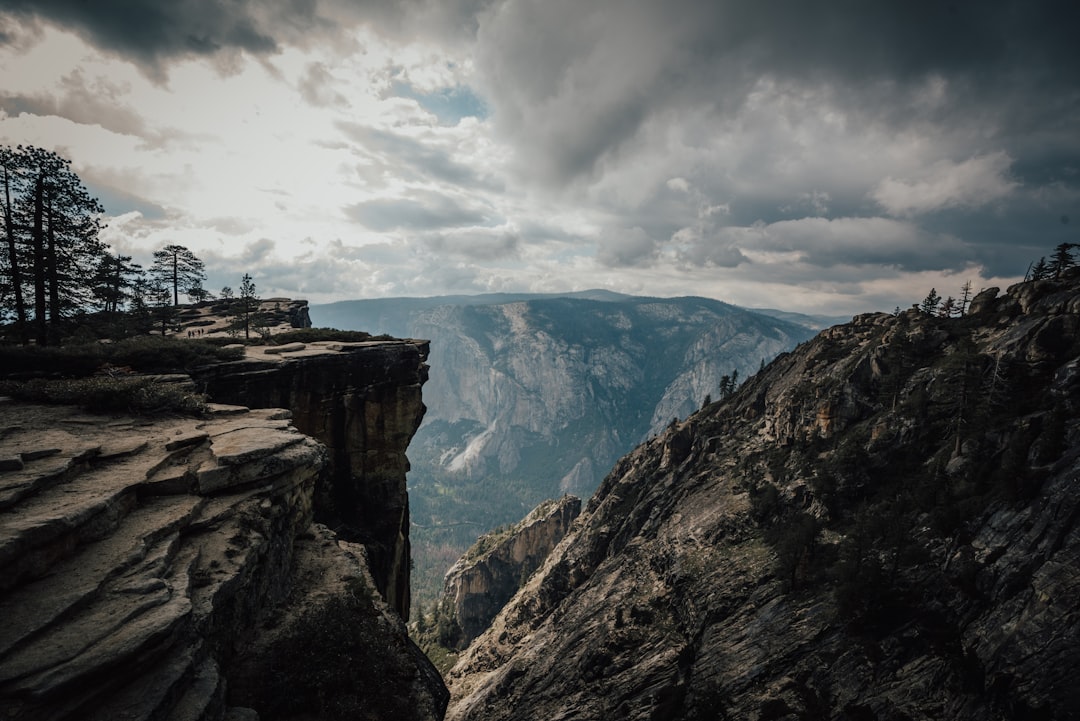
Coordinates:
<point>881,525</point>
<point>490,573</point>
<point>363,401</point>
<point>135,555</point>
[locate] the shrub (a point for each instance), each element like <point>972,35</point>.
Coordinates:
<point>148,354</point>
<point>333,664</point>
<point>130,394</point>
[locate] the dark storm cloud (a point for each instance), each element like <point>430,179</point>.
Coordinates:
<point>581,79</point>
<point>151,31</point>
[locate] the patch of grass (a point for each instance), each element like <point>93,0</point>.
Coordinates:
<point>128,394</point>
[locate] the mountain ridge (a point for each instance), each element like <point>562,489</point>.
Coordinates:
<point>881,525</point>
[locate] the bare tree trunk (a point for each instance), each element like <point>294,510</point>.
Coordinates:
<point>52,273</point>
<point>38,234</point>
<point>13,261</point>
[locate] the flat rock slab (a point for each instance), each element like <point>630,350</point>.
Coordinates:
<point>287,348</point>
<point>248,444</point>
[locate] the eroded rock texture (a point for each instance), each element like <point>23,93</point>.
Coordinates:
<point>169,568</point>
<point>363,401</point>
<point>490,573</point>
<point>134,553</point>
<point>881,525</point>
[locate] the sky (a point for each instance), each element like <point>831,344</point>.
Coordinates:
<point>824,156</point>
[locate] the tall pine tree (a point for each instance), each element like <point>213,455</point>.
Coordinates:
<point>179,269</point>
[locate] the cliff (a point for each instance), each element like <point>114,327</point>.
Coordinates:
<point>880,525</point>
<point>532,397</point>
<point>169,568</point>
<point>490,573</point>
<point>363,402</point>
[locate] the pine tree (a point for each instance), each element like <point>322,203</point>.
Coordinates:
<point>114,281</point>
<point>965,297</point>
<point>1061,260</point>
<point>179,269</point>
<point>1040,271</point>
<point>50,227</point>
<point>247,305</point>
<point>930,303</point>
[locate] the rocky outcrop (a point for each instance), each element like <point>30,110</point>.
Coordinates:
<point>135,554</point>
<point>881,525</point>
<point>490,573</point>
<point>210,318</point>
<point>169,568</point>
<point>363,401</point>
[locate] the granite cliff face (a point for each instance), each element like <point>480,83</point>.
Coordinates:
<point>490,573</point>
<point>881,525</point>
<point>169,568</point>
<point>363,402</point>
<point>532,397</point>
<point>554,389</point>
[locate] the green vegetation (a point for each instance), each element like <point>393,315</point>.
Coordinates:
<point>145,354</point>
<point>132,394</point>
<point>104,377</point>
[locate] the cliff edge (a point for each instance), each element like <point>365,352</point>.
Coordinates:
<point>361,400</point>
<point>169,567</point>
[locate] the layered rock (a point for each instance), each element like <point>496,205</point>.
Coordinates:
<point>134,554</point>
<point>881,525</point>
<point>168,568</point>
<point>490,573</point>
<point>363,401</point>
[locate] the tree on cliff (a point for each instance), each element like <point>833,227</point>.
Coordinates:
<point>179,269</point>
<point>50,225</point>
<point>930,303</point>
<point>1061,260</point>
<point>246,306</point>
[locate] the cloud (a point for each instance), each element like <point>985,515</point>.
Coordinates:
<point>477,244</point>
<point>425,210</point>
<point>426,160</point>
<point>971,183</point>
<point>855,242</point>
<point>316,87</point>
<point>620,247</point>
<point>152,31</point>
<point>573,83</point>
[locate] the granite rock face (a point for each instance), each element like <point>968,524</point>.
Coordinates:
<point>880,525</point>
<point>363,402</point>
<point>490,573</point>
<point>128,572</point>
<point>169,568</point>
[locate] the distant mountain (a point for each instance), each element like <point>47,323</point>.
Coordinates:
<point>817,322</point>
<point>532,396</point>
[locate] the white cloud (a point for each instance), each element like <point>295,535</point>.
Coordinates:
<point>971,183</point>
